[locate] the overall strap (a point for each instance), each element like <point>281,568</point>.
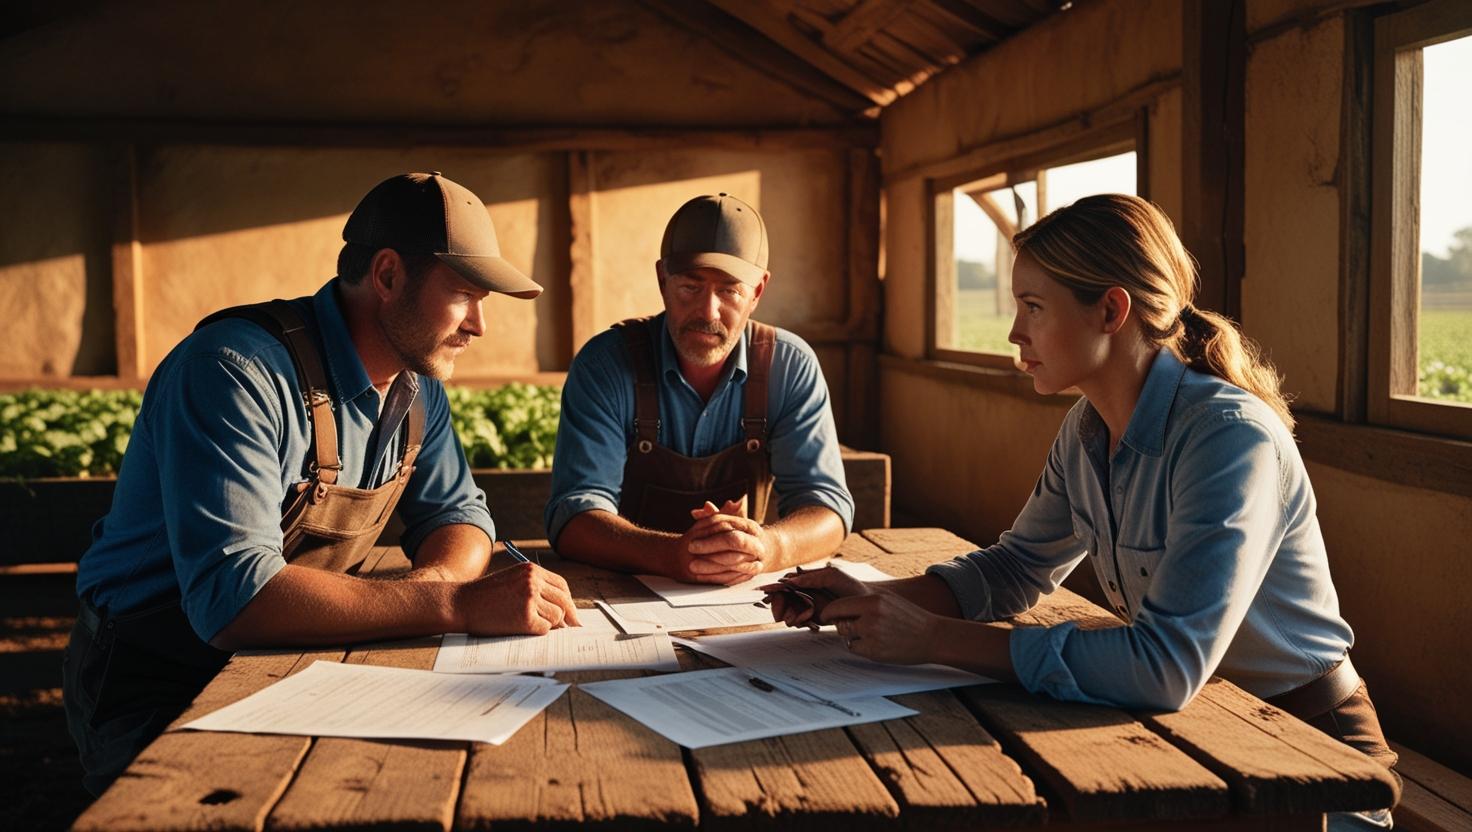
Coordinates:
<point>761,342</point>
<point>282,320</point>
<point>646,388</point>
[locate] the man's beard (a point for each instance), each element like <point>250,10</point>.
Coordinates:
<point>415,346</point>
<point>703,356</point>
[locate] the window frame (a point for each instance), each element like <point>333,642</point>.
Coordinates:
<point>1108,140</point>
<point>1395,244</point>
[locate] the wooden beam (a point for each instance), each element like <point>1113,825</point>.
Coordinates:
<point>862,428</point>
<point>582,279</point>
<point>968,15</point>
<point>764,19</point>
<point>1356,173</point>
<point>127,269</point>
<point>1122,110</point>
<point>862,22</point>
<point>500,138</point>
<point>1401,457</point>
<point>758,50</point>
<point>1213,70</point>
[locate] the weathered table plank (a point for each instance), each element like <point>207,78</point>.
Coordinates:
<point>815,778</point>
<point>207,780</point>
<point>938,543</point>
<point>579,761</point>
<point>1098,763</point>
<point>945,770</point>
<point>345,782</point>
<point>1285,766</point>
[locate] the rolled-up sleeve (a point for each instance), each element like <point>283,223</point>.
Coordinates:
<point>588,462</point>
<point>220,483</point>
<point>807,466</point>
<point>442,491</point>
<point>1030,560</point>
<point>1225,524</point>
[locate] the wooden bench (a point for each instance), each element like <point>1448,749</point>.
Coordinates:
<point>1434,798</point>
<point>991,755</point>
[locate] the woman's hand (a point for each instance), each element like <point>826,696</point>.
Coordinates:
<point>817,588</point>
<point>885,627</point>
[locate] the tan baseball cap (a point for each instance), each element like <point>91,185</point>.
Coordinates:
<point>718,232</point>
<point>425,213</point>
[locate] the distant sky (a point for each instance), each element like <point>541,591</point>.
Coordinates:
<point>1446,144</point>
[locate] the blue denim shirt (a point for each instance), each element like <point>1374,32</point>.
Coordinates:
<point>598,425</point>
<point>221,439</point>
<point>1202,532</point>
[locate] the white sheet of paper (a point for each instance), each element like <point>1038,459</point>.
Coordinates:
<point>657,616</point>
<point>330,699</point>
<point>596,621</point>
<point>713,707</point>
<point>569,648</point>
<point>680,594</point>
<point>821,665</point>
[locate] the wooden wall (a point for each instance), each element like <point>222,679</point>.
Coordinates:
<point>968,443</point>
<point>149,179</point>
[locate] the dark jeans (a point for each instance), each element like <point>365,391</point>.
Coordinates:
<point>124,681</point>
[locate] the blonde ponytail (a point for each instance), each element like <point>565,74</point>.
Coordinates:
<point>1120,240</point>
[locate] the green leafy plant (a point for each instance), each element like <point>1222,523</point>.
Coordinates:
<point>69,433</point>
<point>65,433</point>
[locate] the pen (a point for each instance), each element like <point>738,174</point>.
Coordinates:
<point>515,552</point>
<point>767,687</point>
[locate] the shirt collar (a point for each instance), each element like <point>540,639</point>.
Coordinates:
<point>344,366</point>
<point>669,360</point>
<point>1146,430</point>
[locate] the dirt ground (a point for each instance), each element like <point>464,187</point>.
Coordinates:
<point>38,763</point>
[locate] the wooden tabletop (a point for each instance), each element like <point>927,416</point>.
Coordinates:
<point>991,755</point>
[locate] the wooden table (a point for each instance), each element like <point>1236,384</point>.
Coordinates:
<point>988,756</point>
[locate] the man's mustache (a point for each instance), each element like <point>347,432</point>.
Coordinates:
<point>714,328</point>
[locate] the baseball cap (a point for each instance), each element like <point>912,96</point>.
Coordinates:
<point>425,213</point>
<point>718,232</point>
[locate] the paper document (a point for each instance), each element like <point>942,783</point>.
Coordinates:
<point>330,699</point>
<point>712,707</point>
<point>657,616</point>
<point>820,664</point>
<point>680,594</point>
<point>570,648</point>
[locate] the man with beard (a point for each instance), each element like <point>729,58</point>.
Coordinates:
<point>272,445</point>
<point>675,428</point>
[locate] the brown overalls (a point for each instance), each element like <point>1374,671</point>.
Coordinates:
<point>661,486</point>
<point>128,676</point>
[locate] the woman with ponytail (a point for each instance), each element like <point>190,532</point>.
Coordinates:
<point>1175,477</point>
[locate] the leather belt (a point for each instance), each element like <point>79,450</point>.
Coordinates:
<point>1322,695</point>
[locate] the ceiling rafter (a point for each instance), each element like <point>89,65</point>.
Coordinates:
<point>762,51</point>
<point>762,18</point>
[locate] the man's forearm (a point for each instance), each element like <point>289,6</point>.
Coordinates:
<point>605,539</point>
<point>805,535</point>
<point>302,606</point>
<point>455,552</point>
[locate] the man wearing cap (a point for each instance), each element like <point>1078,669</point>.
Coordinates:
<point>676,428</point>
<point>271,447</point>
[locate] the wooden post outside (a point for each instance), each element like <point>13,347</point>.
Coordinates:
<point>582,282</point>
<point>1213,80</point>
<point>127,267</point>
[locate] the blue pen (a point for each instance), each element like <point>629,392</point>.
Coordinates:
<point>515,552</point>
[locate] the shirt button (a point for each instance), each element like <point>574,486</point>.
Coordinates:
<point>1143,573</point>
<point>1112,587</point>
<point>1120,610</point>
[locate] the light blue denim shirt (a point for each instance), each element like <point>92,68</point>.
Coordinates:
<point>1202,532</point>
<point>598,425</point>
<point>221,439</point>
